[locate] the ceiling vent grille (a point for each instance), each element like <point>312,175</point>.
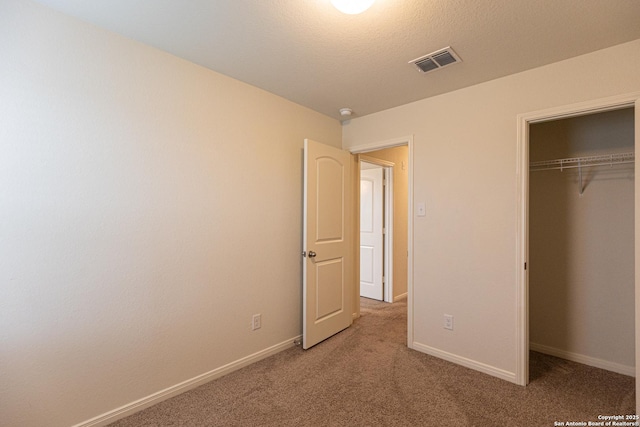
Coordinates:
<point>436,60</point>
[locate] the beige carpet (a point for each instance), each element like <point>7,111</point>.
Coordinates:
<point>366,376</point>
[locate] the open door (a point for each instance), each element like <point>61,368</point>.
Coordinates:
<point>327,243</point>
<point>371,233</point>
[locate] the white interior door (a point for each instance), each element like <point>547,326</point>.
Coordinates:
<point>327,242</point>
<point>371,233</point>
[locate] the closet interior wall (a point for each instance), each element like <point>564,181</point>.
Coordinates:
<point>581,246</point>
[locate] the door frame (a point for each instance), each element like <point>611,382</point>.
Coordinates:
<point>373,146</point>
<point>522,235</point>
<point>387,223</point>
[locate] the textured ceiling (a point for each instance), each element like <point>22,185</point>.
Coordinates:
<point>308,52</point>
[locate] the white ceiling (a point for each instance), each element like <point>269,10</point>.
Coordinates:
<point>308,52</point>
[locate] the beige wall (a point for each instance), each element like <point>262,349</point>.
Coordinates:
<point>135,189</point>
<point>398,156</point>
<point>148,207</point>
<point>465,171</point>
<point>581,247</point>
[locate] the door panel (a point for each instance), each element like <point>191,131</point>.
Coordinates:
<point>329,299</point>
<point>371,234</point>
<point>330,193</point>
<point>366,264</point>
<point>327,242</point>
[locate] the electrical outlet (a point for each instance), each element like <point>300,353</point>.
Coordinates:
<point>256,322</point>
<point>448,322</point>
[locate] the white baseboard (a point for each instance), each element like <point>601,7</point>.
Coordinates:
<point>585,360</point>
<point>468,363</point>
<point>400,297</point>
<point>145,402</point>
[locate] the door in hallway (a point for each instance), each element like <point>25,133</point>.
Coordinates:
<point>371,231</point>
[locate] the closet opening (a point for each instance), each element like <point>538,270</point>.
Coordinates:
<point>591,183</point>
<point>581,239</point>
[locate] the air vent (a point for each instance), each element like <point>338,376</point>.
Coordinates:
<point>427,64</point>
<point>436,60</point>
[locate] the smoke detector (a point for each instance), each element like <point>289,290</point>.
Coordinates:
<point>346,112</point>
<point>436,60</point>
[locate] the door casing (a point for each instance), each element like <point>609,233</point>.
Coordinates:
<point>362,150</point>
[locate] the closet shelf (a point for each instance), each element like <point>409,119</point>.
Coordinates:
<point>579,162</point>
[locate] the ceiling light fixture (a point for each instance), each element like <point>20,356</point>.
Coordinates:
<point>352,7</point>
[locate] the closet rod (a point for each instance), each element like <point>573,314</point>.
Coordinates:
<point>580,162</point>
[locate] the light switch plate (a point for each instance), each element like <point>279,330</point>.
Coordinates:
<point>421,209</point>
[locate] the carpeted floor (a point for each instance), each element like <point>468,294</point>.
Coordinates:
<point>366,376</point>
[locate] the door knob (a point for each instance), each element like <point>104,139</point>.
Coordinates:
<point>312,254</point>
